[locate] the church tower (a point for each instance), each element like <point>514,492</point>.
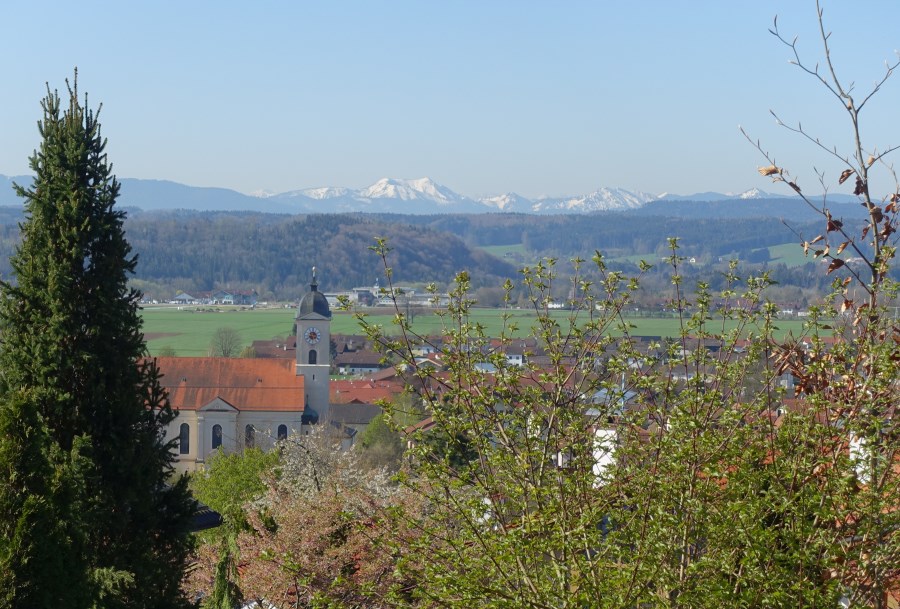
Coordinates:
<point>314,350</point>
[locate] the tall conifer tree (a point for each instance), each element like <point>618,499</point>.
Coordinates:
<point>76,388</point>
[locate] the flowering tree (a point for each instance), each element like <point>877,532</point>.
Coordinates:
<point>316,535</point>
<point>614,472</point>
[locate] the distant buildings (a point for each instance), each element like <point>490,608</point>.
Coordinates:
<point>218,297</point>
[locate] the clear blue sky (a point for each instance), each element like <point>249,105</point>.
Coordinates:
<point>485,97</point>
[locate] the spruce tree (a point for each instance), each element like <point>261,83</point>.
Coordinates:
<point>41,564</point>
<point>78,393</point>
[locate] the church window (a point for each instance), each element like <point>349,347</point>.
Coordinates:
<point>217,437</point>
<point>249,433</point>
<point>282,432</point>
<point>184,439</point>
<point>312,356</point>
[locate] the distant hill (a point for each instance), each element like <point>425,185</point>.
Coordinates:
<point>269,243</point>
<point>151,195</point>
<point>424,196</point>
<point>273,254</point>
<point>789,208</point>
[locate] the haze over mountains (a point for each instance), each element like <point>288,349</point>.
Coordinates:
<point>391,195</point>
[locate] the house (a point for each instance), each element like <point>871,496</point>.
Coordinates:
<point>184,298</point>
<point>280,348</point>
<point>358,362</point>
<point>368,390</point>
<point>239,297</point>
<point>352,419</point>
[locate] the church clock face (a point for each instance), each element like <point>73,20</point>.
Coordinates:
<point>312,335</point>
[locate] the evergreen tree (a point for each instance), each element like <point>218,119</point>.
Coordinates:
<point>92,417</point>
<point>39,567</point>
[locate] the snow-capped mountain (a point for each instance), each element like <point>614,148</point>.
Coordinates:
<point>605,199</point>
<point>387,195</point>
<point>410,190</point>
<point>415,196</point>
<point>753,193</point>
<point>509,201</point>
<point>320,194</point>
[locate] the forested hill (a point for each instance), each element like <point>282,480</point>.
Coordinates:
<point>274,253</point>
<point>253,250</point>
<point>199,251</point>
<point>620,234</point>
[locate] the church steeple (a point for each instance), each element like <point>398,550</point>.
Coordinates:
<point>314,301</point>
<point>313,349</point>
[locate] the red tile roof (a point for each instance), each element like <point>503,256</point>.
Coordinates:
<point>244,383</point>
<point>364,391</point>
<point>284,348</point>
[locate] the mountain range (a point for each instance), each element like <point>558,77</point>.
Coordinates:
<point>389,195</point>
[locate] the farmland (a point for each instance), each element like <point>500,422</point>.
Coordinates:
<point>189,331</point>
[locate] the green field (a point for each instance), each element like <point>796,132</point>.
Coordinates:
<point>514,253</point>
<point>189,331</point>
<point>791,254</point>
<point>503,250</point>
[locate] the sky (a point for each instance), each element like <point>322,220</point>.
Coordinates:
<point>485,97</point>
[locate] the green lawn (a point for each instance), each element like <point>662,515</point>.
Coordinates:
<point>188,332</point>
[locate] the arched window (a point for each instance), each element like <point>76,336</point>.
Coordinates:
<point>249,433</point>
<point>184,439</point>
<point>312,356</point>
<point>217,437</point>
<point>282,432</point>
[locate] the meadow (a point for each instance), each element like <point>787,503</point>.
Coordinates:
<point>188,331</point>
<point>790,254</point>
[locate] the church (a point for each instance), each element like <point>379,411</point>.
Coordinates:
<point>233,403</point>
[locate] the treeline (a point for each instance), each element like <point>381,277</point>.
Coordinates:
<point>273,254</point>
<point>620,234</point>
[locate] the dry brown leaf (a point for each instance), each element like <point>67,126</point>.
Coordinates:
<point>769,171</point>
<point>844,175</point>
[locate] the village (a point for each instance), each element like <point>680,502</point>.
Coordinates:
<point>289,385</point>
